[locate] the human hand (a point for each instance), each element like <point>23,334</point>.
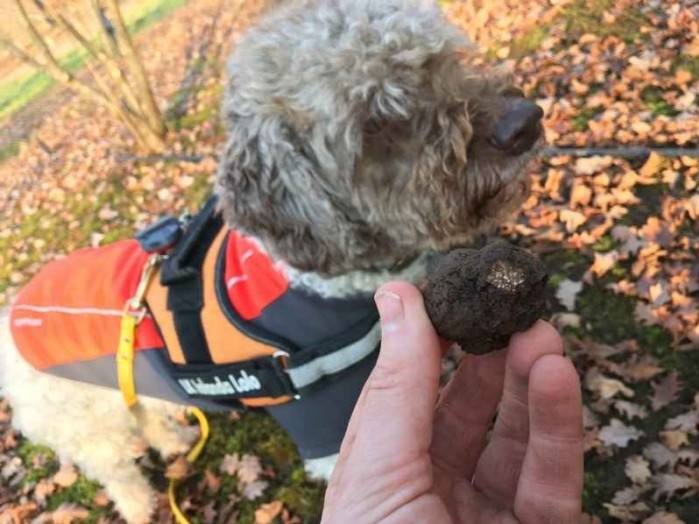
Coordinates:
<point>411,454</point>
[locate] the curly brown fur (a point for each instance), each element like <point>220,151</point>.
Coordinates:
<point>358,136</point>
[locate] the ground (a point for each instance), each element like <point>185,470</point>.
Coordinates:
<point>619,237</point>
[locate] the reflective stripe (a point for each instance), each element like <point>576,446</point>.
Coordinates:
<point>71,310</point>
<point>314,370</point>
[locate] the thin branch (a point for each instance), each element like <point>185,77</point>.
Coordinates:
<point>24,57</point>
<point>154,159</point>
<point>620,152</point>
<point>135,67</point>
<point>118,80</point>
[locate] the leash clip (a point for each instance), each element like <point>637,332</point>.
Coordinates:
<point>135,306</point>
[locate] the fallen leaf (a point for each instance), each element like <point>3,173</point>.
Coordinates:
<point>628,495</point>
<point>659,455</point>
<point>249,469</point>
<point>603,263</point>
<point>637,469</point>
<point>632,512</point>
<point>687,422</point>
<point>604,386</point>
<point>630,410</point>
<point>268,512</point>
<point>674,439</point>
<point>230,464</point>
<point>66,475</point>
<point>665,391</point>
<point>178,469</point>
<point>618,434</point>
<point>654,163</point>
<point>42,490</point>
<point>567,293</point>
<point>663,517</point>
<point>668,484</point>
<point>66,513</point>
<point>254,490</point>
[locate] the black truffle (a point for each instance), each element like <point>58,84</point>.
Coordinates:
<point>479,298</point>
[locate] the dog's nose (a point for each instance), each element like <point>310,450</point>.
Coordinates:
<point>518,128</point>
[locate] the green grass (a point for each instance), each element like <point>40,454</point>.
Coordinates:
<point>18,93</point>
<point>653,99</point>
<point>687,63</point>
<point>583,16</point>
<point>258,434</point>
<point>529,42</point>
<point>584,116</point>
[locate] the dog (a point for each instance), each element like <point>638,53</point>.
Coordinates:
<point>362,141</point>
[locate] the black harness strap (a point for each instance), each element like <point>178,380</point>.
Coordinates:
<point>181,273</point>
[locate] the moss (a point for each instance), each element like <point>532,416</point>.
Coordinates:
<point>584,116</point>
<point>83,493</point>
<point>529,42</point>
<point>687,63</point>
<point>565,263</point>
<point>583,16</point>
<point>652,97</point>
<point>34,453</point>
<point>258,434</point>
<point>9,150</point>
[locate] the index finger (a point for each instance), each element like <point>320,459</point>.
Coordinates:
<point>550,485</point>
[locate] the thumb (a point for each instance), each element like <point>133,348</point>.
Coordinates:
<point>401,392</point>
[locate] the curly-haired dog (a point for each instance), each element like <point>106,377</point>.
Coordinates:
<point>360,142</point>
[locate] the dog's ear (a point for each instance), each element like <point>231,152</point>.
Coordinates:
<point>272,186</point>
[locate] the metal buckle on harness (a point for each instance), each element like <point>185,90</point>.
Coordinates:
<point>282,358</point>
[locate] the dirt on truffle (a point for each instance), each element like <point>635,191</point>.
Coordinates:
<point>479,298</point>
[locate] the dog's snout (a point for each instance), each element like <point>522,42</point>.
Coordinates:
<point>518,128</point>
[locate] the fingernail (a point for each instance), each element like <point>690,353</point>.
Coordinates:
<point>390,307</point>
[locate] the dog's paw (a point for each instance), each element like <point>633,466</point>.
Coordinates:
<point>320,468</point>
<point>136,506</point>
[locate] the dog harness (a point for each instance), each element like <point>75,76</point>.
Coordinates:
<point>222,328</point>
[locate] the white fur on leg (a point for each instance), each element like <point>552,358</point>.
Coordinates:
<point>157,421</point>
<point>87,425</point>
<point>321,468</point>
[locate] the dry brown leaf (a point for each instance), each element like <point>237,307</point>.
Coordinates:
<point>628,495</point>
<point>659,455</point>
<point>230,464</point>
<point>674,439</point>
<point>637,469</point>
<point>249,469</point>
<point>671,485</point>
<point>42,490</point>
<point>567,293</point>
<point>604,386</point>
<point>602,264</point>
<point>178,469</point>
<point>253,490</point>
<point>632,512</point>
<point>66,475</point>
<point>268,512</point>
<point>618,434</point>
<point>665,391</point>
<point>687,422</point>
<point>212,482</point>
<point>654,163</point>
<point>663,517</point>
<point>66,513</point>
<point>630,410</point>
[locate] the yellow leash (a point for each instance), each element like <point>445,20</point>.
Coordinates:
<point>134,313</point>
<point>191,457</point>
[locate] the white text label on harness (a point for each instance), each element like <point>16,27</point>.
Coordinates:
<point>229,385</point>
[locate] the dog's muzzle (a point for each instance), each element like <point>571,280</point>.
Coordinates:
<point>519,128</point>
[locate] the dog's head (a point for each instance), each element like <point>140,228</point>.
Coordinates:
<point>359,136</point>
